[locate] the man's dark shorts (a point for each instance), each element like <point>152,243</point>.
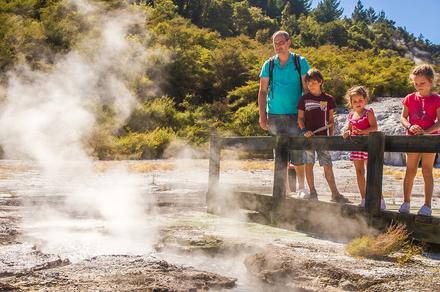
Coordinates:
<point>286,124</point>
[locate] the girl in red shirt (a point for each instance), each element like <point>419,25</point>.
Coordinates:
<point>420,116</point>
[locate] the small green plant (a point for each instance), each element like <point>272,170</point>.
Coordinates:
<point>394,240</point>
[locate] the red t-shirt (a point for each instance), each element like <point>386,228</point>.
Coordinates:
<point>422,109</point>
<point>316,110</point>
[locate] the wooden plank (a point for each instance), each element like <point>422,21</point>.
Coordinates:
<point>253,201</point>
<point>329,143</point>
<point>280,171</point>
<point>214,171</point>
<point>376,146</point>
<point>326,218</point>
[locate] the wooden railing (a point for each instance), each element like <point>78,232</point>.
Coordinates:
<point>375,144</point>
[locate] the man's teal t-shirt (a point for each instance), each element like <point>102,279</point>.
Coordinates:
<point>285,91</point>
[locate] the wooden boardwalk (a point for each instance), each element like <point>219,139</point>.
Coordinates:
<point>323,216</point>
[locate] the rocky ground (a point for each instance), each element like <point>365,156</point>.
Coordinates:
<point>183,248</point>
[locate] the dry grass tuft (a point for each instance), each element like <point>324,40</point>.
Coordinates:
<point>142,167</point>
<point>247,165</point>
<point>394,240</point>
<point>399,173</point>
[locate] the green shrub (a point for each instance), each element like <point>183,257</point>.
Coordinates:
<point>152,114</point>
<point>144,145</point>
<point>245,121</point>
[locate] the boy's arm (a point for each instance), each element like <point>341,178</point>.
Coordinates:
<point>331,120</point>
<point>301,120</point>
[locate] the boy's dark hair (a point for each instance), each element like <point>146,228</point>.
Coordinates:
<point>314,74</point>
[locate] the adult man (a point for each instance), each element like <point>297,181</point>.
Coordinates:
<point>278,100</point>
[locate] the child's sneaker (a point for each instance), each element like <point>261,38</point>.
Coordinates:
<point>425,211</point>
<point>383,206</point>
<point>404,208</point>
<point>302,194</point>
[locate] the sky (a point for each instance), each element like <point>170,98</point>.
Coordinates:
<point>418,17</point>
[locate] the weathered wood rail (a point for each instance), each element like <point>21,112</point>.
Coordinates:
<point>278,209</point>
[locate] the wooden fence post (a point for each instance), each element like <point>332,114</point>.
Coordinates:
<point>292,179</point>
<point>376,148</point>
<point>280,172</point>
<point>214,171</point>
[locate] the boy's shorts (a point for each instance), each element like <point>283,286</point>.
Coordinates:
<point>286,124</point>
<point>324,157</point>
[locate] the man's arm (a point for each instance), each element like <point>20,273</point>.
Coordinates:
<point>304,84</point>
<point>262,100</point>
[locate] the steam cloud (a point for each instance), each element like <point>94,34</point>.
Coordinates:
<point>46,117</point>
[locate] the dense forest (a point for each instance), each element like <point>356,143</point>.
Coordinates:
<point>213,51</point>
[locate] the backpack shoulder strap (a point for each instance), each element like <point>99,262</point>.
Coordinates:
<point>271,65</point>
<point>298,68</point>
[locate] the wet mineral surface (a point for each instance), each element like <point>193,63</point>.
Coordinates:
<point>177,246</point>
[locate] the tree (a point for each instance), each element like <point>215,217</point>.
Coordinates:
<point>298,7</point>
<point>359,12</point>
<point>289,21</point>
<point>371,15</point>
<point>328,10</point>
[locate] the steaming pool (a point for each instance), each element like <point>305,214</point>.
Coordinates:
<point>142,225</point>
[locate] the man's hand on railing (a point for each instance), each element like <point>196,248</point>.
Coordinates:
<point>346,134</point>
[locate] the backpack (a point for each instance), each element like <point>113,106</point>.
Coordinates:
<point>297,67</point>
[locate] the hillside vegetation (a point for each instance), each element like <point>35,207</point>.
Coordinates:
<point>213,53</point>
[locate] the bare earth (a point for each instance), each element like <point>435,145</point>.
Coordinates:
<point>190,250</point>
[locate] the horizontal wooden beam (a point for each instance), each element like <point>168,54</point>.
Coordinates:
<point>423,144</point>
<point>335,143</point>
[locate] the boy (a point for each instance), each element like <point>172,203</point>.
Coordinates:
<point>315,117</point>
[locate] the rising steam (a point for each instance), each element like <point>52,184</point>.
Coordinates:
<point>47,116</point>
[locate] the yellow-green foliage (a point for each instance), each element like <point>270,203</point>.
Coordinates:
<point>245,121</point>
<point>394,240</point>
<point>144,145</point>
<point>152,114</point>
<point>384,73</point>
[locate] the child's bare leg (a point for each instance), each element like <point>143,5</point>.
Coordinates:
<point>310,177</point>
<point>427,165</point>
<point>330,177</point>
<point>359,165</point>
<point>299,169</point>
<point>412,161</point>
